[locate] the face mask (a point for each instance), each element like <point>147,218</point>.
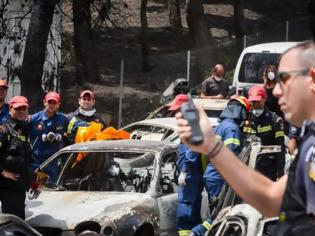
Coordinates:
<point>217,78</point>
<point>271,75</point>
<point>257,112</point>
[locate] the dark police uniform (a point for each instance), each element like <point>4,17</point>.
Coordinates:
<point>298,205</point>
<point>15,156</point>
<point>268,127</point>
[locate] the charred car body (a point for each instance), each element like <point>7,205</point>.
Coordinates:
<point>122,187</point>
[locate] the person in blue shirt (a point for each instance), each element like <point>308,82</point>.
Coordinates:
<point>189,181</point>
<point>4,107</point>
<point>47,129</point>
<point>229,131</point>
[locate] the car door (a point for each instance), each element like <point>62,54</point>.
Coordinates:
<point>167,202</point>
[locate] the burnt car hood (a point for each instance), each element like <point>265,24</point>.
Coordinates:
<point>66,209</point>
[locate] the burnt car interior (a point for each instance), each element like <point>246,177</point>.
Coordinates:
<point>116,171</point>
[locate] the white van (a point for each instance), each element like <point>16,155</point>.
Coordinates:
<point>253,59</point>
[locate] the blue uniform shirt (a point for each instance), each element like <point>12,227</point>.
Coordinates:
<point>4,113</point>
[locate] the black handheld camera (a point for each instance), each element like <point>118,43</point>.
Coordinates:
<point>190,113</point>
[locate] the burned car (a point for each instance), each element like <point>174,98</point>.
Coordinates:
<point>119,187</point>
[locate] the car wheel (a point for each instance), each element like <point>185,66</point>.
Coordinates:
<point>145,230</point>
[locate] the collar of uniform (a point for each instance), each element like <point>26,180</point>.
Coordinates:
<point>45,116</point>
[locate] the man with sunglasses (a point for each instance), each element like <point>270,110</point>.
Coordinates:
<point>292,197</point>
<point>15,158</point>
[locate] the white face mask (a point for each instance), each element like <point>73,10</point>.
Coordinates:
<point>271,75</point>
<point>217,78</point>
<point>257,112</point>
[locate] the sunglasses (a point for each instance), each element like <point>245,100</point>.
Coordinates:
<point>283,77</point>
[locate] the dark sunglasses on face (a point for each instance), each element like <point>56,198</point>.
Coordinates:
<point>283,77</point>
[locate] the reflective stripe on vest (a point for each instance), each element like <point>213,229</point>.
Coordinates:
<point>279,134</point>
<point>71,125</point>
<point>184,232</point>
<point>264,129</point>
<point>207,225</point>
<point>249,130</point>
<point>232,141</point>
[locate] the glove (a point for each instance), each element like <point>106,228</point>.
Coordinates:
<point>182,179</point>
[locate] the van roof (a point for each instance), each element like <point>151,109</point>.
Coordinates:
<point>276,47</point>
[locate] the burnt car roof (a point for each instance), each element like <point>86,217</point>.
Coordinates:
<point>128,145</point>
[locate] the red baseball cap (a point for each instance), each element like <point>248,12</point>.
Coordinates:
<point>178,101</point>
<point>256,93</point>
<point>87,93</point>
<point>4,83</point>
<point>18,101</point>
<point>52,96</point>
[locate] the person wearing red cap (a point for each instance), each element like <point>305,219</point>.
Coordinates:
<point>15,158</point>
<point>189,180</point>
<point>47,129</point>
<point>268,126</point>
<point>86,110</point>
<point>4,107</point>
<point>215,86</point>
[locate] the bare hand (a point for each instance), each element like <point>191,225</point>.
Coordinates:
<point>220,96</point>
<point>10,175</point>
<point>184,131</point>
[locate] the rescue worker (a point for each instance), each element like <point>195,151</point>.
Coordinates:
<point>47,129</point>
<point>189,181</point>
<point>4,107</point>
<point>268,126</point>
<point>229,130</point>
<point>86,111</point>
<point>15,158</point>
<point>291,197</point>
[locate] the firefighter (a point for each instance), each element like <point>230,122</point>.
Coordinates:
<point>86,110</point>
<point>229,131</point>
<point>268,126</point>
<point>189,181</point>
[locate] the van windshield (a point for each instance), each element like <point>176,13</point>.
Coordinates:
<point>253,65</point>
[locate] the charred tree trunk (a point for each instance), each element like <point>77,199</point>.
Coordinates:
<point>174,15</point>
<point>86,69</point>
<point>311,8</point>
<point>200,33</point>
<point>239,23</point>
<point>34,53</point>
<point>144,36</point>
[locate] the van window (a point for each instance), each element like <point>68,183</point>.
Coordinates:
<point>253,65</point>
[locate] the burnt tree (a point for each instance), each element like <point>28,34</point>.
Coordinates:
<point>239,23</point>
<point>174,15</point>
<point>144,36</point>
<point>86,69</point>
<point>34,53</point>
<point>200,33</point>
